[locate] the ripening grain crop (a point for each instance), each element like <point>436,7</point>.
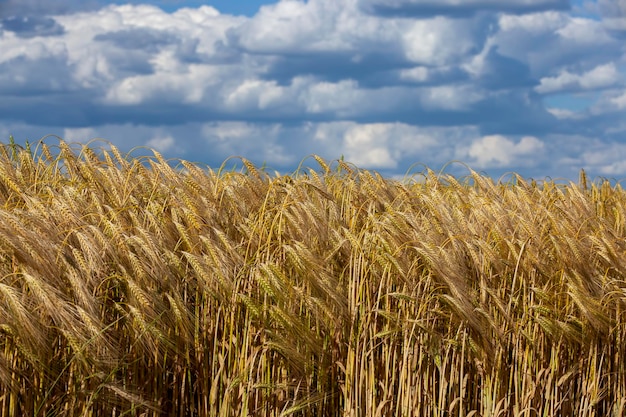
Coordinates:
<point>136,287</point>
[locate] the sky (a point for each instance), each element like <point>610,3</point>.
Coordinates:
<point>535,87</point>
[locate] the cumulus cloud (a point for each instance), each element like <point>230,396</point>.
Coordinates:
<point>499,151</point>
<point>606,158</point>
<point>80,134</point>
<point>328,39</point>
<point>141,56</point>
<point>384,83</point>
<point>620,101</point>
<point>564,114</point>
<point>260,143</point>
<point>28,27</point>
<point>564,40</point>
<point>609,107</point>
<point>614,12</point>
<point>383,145</point>
<point>441,41</point>
<point>599,77</point>
<point>162,143</point>
<point>31,68</point>
<point>290,26</point>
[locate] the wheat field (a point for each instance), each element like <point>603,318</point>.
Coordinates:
<point>135,286</point>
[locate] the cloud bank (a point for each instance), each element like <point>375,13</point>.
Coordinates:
<point>533,86</point>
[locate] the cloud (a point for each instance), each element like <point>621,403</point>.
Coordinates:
<point>564,40</point>
<point>381,145</point>
<point>480,81</point>
<point>330,40</point>
<point>260,143</point>
<point>602,76</point>
<point>620,101</point>
<point>605,158</point>
<point>28,27</point>
<point>129,55</point>
<point>614,13</point>
<point>82,134</point>
<point>123,57</point>
<point>147,40</point>
<point>391,148</point>
<point>421,8</point>
<point>162,143</point>
<point>31,68</point>
<point>499,151</point>
<point>564,114</point>
<point>297,27</point>
<point>451,97</point>
<point>442,41</point>
<point>31,8</point>
<point>333,40</point>
<point>496,71</point>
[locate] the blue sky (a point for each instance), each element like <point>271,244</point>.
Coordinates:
<point>536,87</point>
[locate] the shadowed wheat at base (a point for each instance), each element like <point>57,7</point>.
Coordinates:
<point>132,287</point>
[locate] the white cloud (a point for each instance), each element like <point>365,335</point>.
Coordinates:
<point>601,76</point>
<point>415,74</point>
<point>369,145</point>
<point>619,101</point>
<point>440,41</point>
<point>339,27</point>
<point>172,139</point>
<point>564,41</point>
<point>605,158</point>
<point>564,114</point>
<point>161,143</point>
<point>296,27</point>
<point>324,77</point>
<point>499,151</point>
<point>451,97</point>
<point>99,57</point>
<point>366,145</point>
<point>262,143</point>
<point>32,49</point>
<point>535,23</point>
<point>79,134</point>
<point>284,26</point>
<point>340,97</point>
<point>385,145</point>
<point>255,94</point>
<point>614,12</point>
<point>610,102</point>
<point>584,31</point>
<point>573,29</point>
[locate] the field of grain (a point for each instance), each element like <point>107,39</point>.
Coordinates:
<point>142,287</point>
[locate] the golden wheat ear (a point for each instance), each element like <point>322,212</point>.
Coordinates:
<point>130,286</point>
